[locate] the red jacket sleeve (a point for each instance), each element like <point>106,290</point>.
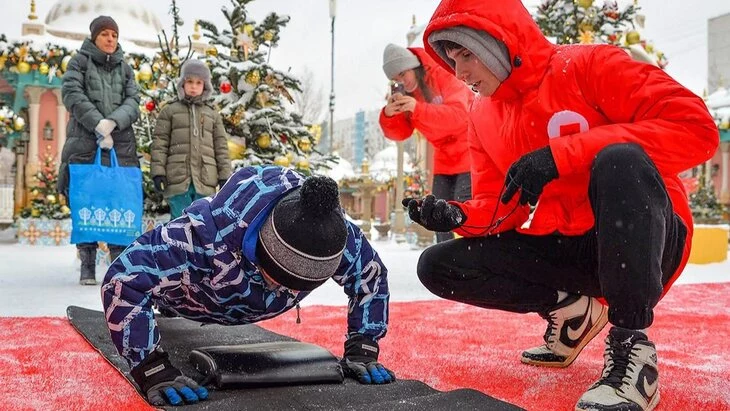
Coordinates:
<point>485,208</point>
<point>645,106</point>
<point>397,127</point>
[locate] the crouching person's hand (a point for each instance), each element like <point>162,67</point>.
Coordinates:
<point>360,361</point>
<point>164,384</point>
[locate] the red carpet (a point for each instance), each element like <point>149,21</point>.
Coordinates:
<point>44,364</point>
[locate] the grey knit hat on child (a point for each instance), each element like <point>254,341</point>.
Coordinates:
<point>490,51</point>
<point>195,68</point>
<point>397,59</point>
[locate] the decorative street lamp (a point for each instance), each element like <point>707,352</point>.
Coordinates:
<point>333,12</point>
<point>48,131</point>
<point>20,151</point>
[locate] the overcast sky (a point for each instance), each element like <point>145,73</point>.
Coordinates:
<point>363,28</point>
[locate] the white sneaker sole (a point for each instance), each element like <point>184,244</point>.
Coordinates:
<point>597,327</point>
<point>649,407</point>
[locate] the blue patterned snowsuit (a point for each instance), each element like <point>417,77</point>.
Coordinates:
<point>202,266</point>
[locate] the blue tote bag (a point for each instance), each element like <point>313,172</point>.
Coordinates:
<point>106,202</point>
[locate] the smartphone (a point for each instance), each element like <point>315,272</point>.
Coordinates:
<point>397,87</point>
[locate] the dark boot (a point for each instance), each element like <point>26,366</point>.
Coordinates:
<point>88,265</point>
<point>114,251</point>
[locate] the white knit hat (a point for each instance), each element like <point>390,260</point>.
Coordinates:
<point>397,59</point>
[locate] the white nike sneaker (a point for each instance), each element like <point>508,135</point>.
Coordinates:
<point>630,379</point>
<point>572,324</point>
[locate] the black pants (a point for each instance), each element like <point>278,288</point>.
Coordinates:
<point>451,187</point>
<point>626,258</point>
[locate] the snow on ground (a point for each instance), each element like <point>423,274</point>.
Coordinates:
<point>43,280</point>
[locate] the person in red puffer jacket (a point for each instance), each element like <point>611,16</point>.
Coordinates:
<point>577,212</point>
<point>435,103</point>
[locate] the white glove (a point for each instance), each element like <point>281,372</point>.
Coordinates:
<point>105,127</point>
<point>105,142</point>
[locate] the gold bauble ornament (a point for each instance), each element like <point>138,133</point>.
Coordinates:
<point>211,51</point>
<point>145,72</point>
<point>235,149</point>
<point>316,131</point>
<point>585,3</point>
<point>35,212</point>
<point>65,209</point>
<point>303,164</point>
<point>268,35</point>
<point>248,29</point>
<point>18,124</point>
<point>23,67</point>
<point>633,37</point>
<point>51,198</point>
<point>290,156</point>
<point>305,145</point>
<point>143,76</point>
<point>649,48</point>
<point>43,68</point>
<point>264,141</point>
<point>281,161</point>
<point>253,77</point>
<point>34,192</point>
<point>3,59</point>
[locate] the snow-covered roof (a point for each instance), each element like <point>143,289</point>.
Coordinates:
<point>384,165</point>
<point>341,171</point>
<point>720,98</point>
<point>71,18</point>
<point>719,104</point>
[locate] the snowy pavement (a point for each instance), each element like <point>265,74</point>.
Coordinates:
<point>43,280</point>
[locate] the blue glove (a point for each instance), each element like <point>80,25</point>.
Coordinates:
<point>163,384</point>
<point>360,361</point>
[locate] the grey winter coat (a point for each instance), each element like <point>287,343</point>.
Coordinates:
<point>190,143</point>
<point>96,86</point>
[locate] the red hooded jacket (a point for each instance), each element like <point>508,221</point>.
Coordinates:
<point>577,99</point>
<point>442,121</point>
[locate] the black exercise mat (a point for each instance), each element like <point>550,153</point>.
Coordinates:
<point>180,336</point>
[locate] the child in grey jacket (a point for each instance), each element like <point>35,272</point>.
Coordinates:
<point>189,154</point>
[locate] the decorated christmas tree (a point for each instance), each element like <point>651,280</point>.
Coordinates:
<point>587,22</point>
<point>702,198</point>
<point>253,95</point>
<point>156,78</point>
<point>44,201</point>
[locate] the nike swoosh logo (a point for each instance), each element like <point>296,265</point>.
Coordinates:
<point>650,389</point>
<point>575,334</point>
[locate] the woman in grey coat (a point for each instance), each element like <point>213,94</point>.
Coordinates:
<point>101,95</point>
